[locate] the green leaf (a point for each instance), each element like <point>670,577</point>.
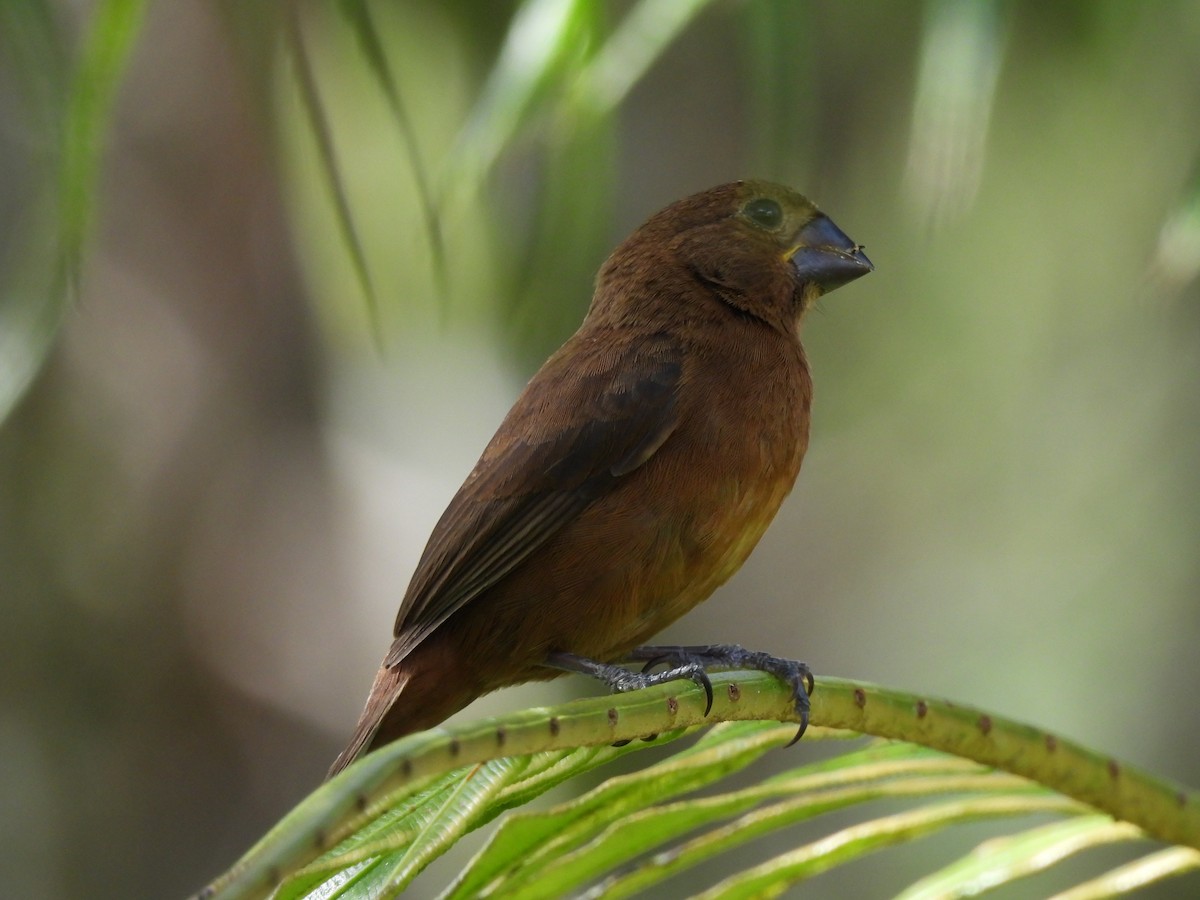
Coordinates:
<point>524,841</point>
<point>1006,859</point>
<point>115,24</point>
<point>546,41</point>
<point>403,818</point>
<point>41,268</point>
<point>454,817</point>
<point>1141,872</point>
<point>775,876</point>
<point>310,98</point>
<point>857,783</point>
<point>635,45</point>
<point>963,46</point>
<point>358,14</point>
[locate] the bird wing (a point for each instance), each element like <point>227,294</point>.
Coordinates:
<point>589,417</point>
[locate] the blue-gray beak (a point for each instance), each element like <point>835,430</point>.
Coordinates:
<point>824,256</point>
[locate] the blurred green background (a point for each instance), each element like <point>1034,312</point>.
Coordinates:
<point>220,462</point>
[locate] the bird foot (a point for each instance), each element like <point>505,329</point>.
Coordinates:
<point>620,680</point>
<point>731,656</point>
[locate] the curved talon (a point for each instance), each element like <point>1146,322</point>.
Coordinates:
<point>656,661</point>
<point>803,688</point>
<point>704,682</point>
<point>800,732</point>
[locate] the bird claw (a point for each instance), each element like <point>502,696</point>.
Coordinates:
<point>620,680</point>
<point>692,663</point>
<point>731,656</point>
<point>632,681</point>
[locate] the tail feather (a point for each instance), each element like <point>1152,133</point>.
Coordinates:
<point>417,692</point>
<point>387,687</point>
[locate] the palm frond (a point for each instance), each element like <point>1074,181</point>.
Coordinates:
<point>373,829</point>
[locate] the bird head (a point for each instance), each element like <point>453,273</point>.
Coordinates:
<point>760,249</point>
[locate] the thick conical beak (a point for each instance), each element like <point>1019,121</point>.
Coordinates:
<point>821,254</point>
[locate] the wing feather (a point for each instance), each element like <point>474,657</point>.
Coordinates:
<point>612,412</point>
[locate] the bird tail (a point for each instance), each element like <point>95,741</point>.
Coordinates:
<point>387,687</point>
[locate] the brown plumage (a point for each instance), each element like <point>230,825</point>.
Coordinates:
<point>636,471</point>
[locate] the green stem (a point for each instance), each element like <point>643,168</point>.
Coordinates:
<point>337,809</point>
<point>1163,809</point>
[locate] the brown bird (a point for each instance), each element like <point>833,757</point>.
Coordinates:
<point>634,474</point>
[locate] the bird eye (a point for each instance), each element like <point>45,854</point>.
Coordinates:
<point>764,212</point>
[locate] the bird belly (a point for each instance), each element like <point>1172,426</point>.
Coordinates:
<point>663,555</point>
<point>660,541</point>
